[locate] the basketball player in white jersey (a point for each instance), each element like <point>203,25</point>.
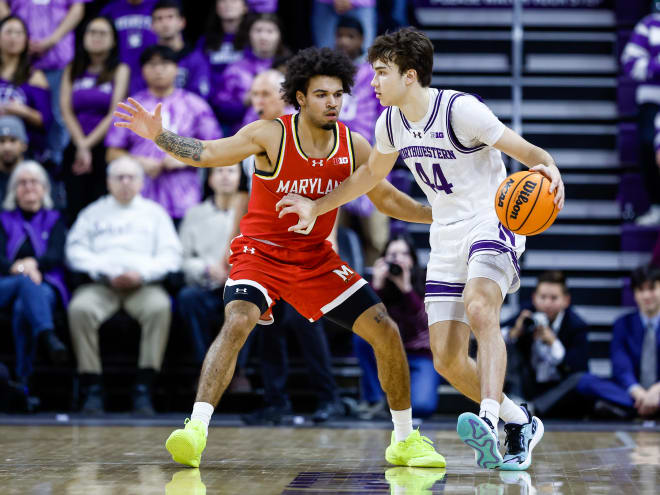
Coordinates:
<point>451,142</point>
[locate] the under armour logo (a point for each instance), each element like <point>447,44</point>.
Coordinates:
<point>248,250</point>
<point>317,162</point>
<point>417,134</point>
<point>241,291</point>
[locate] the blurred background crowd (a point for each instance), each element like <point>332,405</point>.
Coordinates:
<point>113,254</point>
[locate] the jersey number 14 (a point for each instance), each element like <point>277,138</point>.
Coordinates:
<point>439,181</point>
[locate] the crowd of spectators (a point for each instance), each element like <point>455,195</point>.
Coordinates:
<point>96,220</point>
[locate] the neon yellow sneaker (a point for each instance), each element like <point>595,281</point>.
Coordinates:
<point>415,481</point>
<point>186,482</point>
<point>414,451</point>
<point>187,445</point>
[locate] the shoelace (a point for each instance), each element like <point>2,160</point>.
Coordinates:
<point>426,443</point>
<point>186,421</point>
<point>514,442</point>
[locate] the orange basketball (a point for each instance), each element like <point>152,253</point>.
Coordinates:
<point>523,203</point>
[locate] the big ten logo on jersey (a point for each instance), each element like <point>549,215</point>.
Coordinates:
<point>340,160</point>
<point>345,273</point>
<point>437,135</point>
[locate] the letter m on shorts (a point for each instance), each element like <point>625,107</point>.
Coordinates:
<point>345,272</point>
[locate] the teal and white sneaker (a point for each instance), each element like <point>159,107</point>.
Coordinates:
<point>479,434</point>
<point>520,441</point>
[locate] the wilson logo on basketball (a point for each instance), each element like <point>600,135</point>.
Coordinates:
<point>505,190</point>
<point>523,197</point>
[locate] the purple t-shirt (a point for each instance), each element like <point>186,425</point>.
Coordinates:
<point>356,3</point>
<point>193,73</point>
<point>227,97</point>
<point>33,97</point>
<point>186,114</point>
<point>90,102</point>
<point>133,23</point>
<point>360,110</point>
<point>42,18</point>
<point>262,6</point>
<point>219,59</point>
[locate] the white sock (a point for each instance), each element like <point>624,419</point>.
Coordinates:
<point>202,411</point>
<point>510,412</point>
<point>402,423</point>
<point>491,409</point>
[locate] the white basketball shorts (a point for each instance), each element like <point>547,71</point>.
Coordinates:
<point>477,247</point>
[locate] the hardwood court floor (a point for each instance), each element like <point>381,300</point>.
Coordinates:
<point>132,460</point>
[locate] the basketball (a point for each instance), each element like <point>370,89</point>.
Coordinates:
<point>524,203</point>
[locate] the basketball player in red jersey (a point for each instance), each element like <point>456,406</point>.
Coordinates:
<point>309,153</point>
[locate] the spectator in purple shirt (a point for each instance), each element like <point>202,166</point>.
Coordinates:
<point>261,36</point>
<point>167,181</point>
<point>50,25</point>
<point>396,279</point>
<point>23,90</point>
<point>641,61</point>
<point>217,43</point>
<point>263,6</point>
<point>168,22</point>
<point>132,19</point>
<point>325,14</point>
<point>91,87</point>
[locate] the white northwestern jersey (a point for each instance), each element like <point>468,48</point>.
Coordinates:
<point>459,177</point>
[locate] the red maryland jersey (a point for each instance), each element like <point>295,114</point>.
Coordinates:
<point>295,172</point>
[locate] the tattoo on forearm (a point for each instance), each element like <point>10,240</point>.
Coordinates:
<point>181,147</point>
<point>380,316</point>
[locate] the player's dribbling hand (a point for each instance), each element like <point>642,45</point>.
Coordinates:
<point>304,207</point>
<point>551,172</point>
<point>142,122</point>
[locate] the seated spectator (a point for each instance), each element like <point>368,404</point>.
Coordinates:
<point>124,245</point>
<point>261,37</point>
<point>32,237</point>
<point>13,145</point>
<point>169,182</point>
<point>217,42</point>
<point>359,111</point>
<point>24,91</point>
<point>132,20</point>
<point>639,61</point>
<point>168,22</point>
<point>634,388</point>
<point>205,234</point>
<point>325,14</point>
<point>397,281</point>
<point>51,28</point>
<point>91,87</point>
<point>546,346</point>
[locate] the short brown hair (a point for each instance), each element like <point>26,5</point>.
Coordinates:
<point>408,48</point>
<point>553,277</point>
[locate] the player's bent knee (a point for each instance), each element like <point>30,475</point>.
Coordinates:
<point>481,314</point>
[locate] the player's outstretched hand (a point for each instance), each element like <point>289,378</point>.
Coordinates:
<point>301,206</point>
<point>139,120</point>
<point>556,184</point>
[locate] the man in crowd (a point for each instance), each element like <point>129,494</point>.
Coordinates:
<point>635,352</point>
<point>13,145</point>
<point>125,245</point>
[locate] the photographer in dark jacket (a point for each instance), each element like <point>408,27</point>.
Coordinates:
<point>547,345</point>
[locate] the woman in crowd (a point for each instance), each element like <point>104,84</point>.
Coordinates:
<point>92,85</point>
<point>32,237</point>
<point>217,42</point>
<point>260,37</point>
<point>24,92</point>
<point>398,280</point>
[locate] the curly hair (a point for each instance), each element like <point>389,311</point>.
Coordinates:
<point>312,62</point>
<point>408,48</point>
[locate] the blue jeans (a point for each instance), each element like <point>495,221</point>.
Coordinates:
<point>31,307</point>
<point>58,136</point>
<point>200,310</point>
<point>424,380</point>
<point>324,24</point>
